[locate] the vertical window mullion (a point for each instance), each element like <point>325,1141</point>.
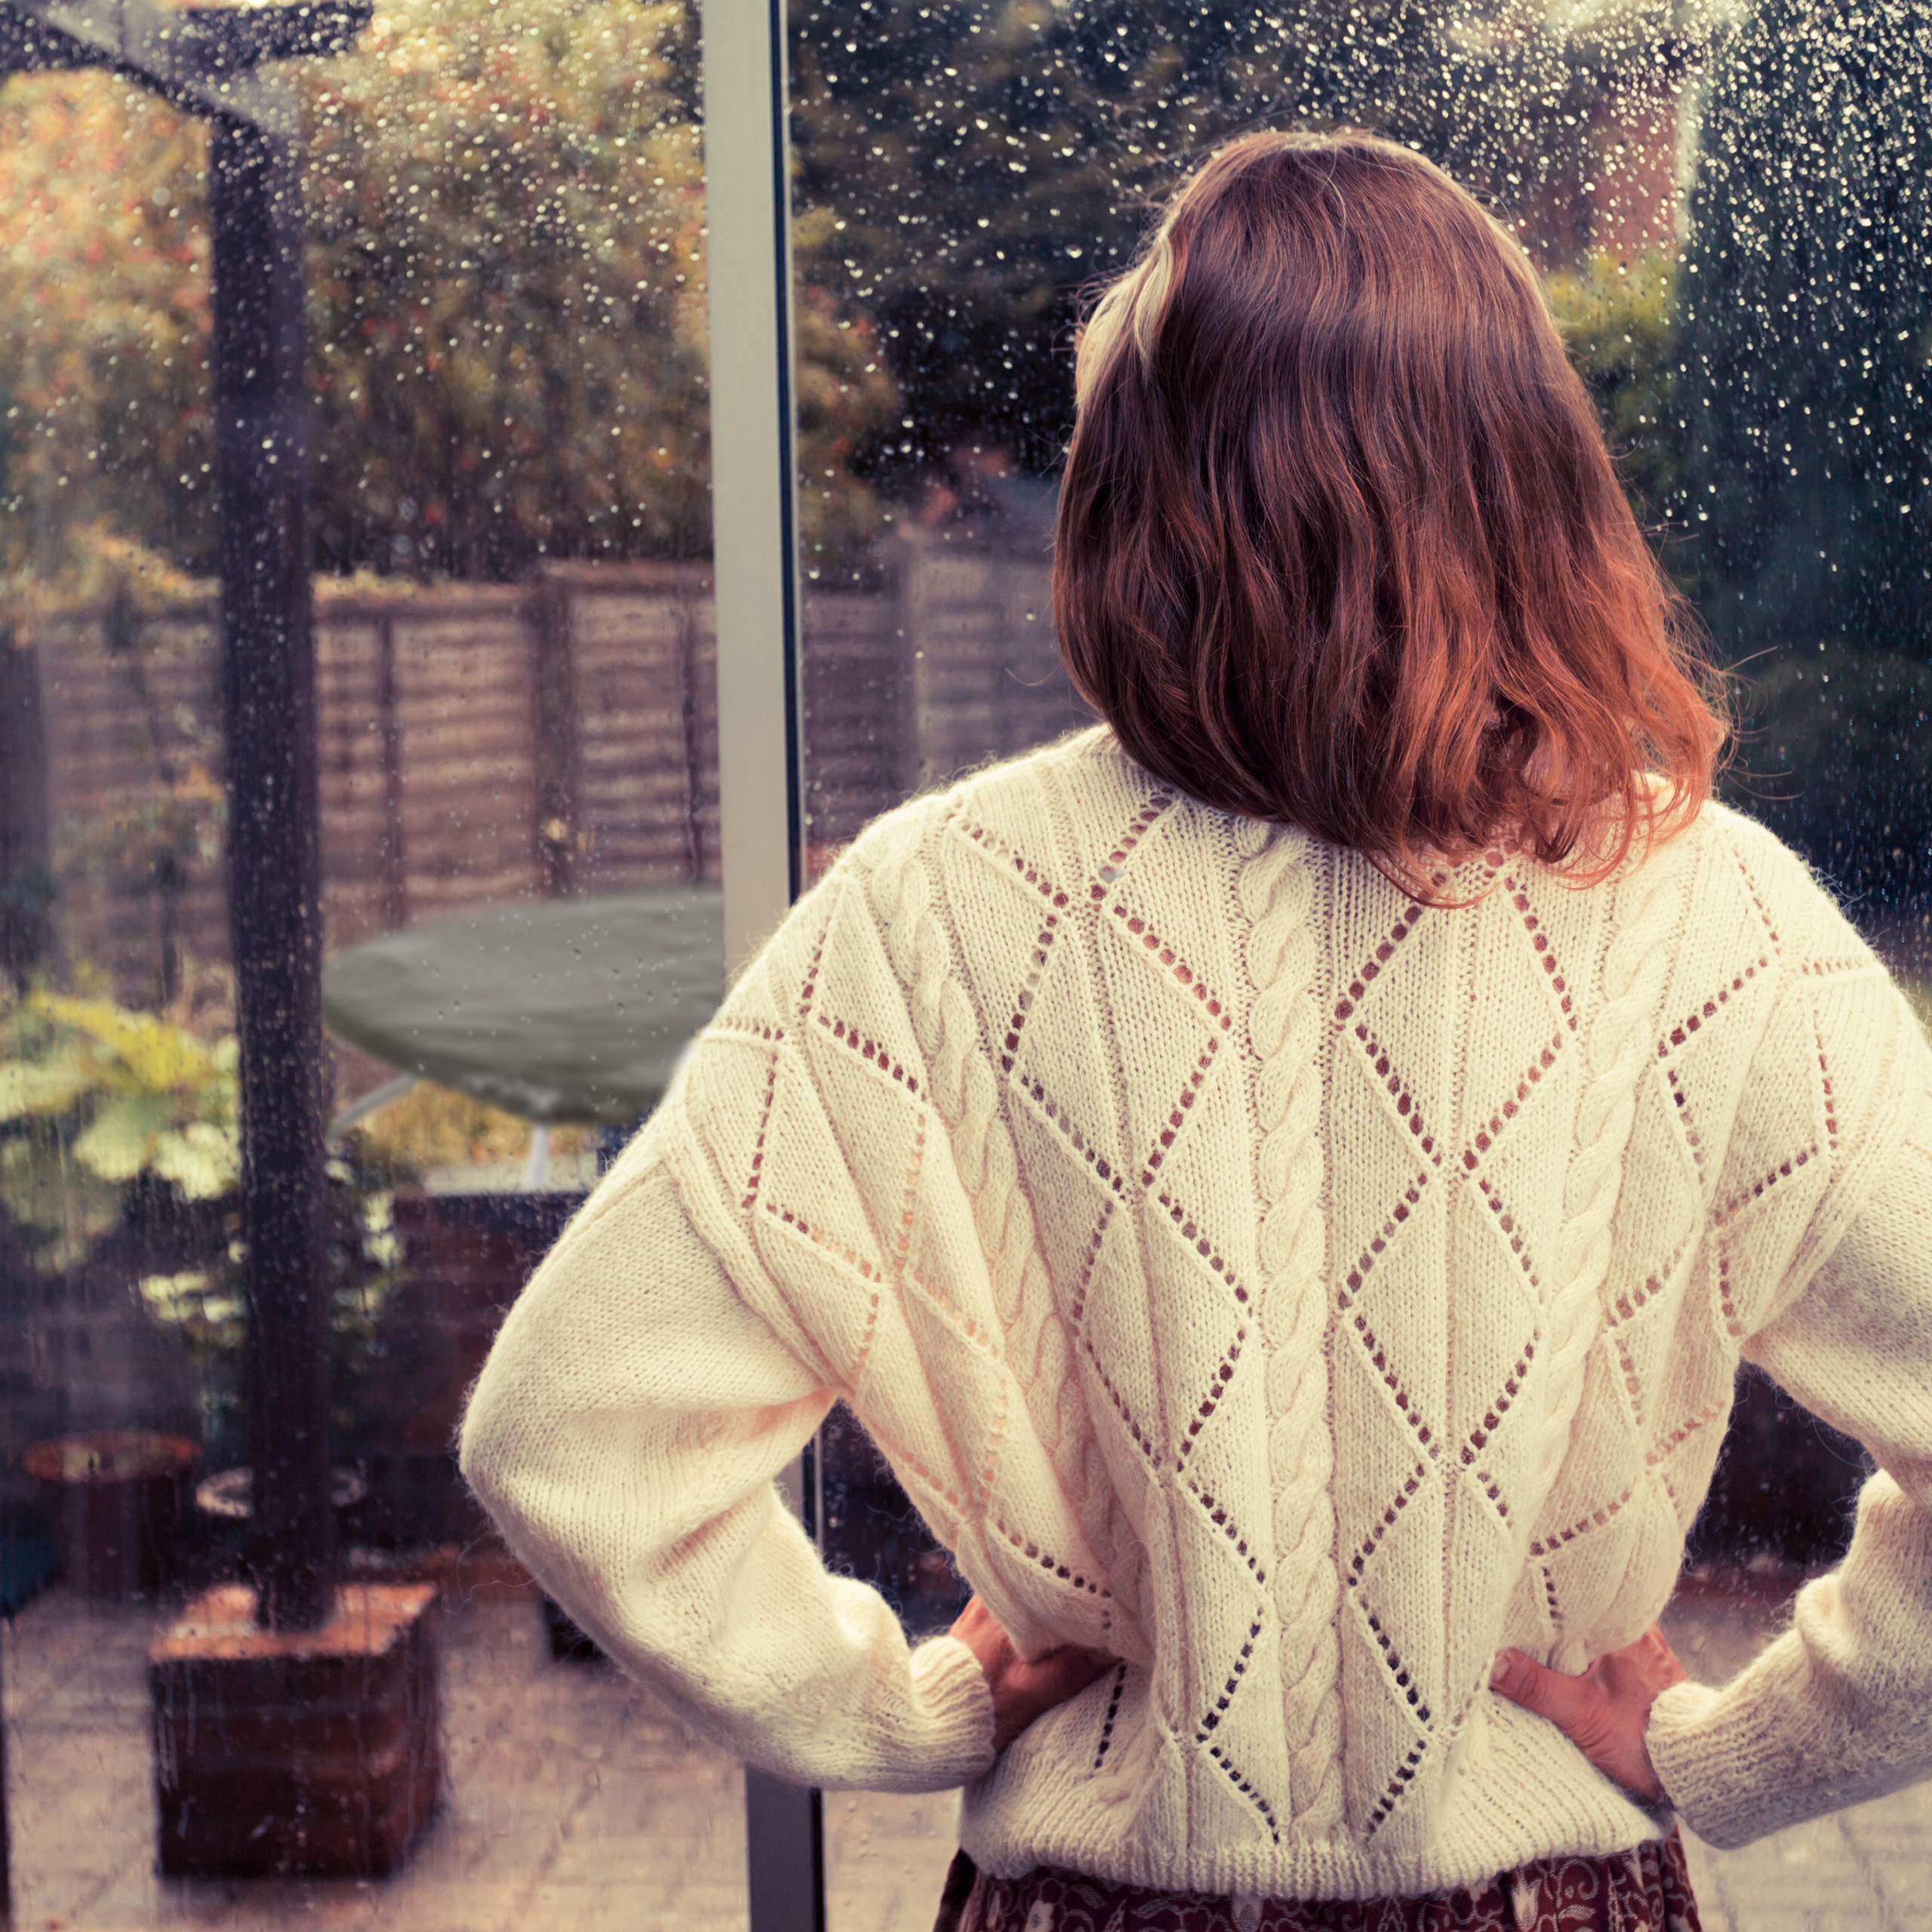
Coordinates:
<point>747,161</point>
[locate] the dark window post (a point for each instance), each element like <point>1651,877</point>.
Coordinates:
<point>268,691</point>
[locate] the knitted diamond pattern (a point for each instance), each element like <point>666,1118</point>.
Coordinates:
<point>1299,1291</point>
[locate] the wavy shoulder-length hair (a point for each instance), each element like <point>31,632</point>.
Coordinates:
<point>1340,545</point>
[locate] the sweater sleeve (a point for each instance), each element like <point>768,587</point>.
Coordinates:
<point>625,1434</point>
<point>1839,1708</point>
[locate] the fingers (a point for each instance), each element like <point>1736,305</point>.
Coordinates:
<point>1564,1700</point>
<point>1603,1712</point>
<point>979,1630</point>
<point>1023,1689</point>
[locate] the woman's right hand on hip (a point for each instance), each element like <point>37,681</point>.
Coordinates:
<point>1023,1689</point>
<point>1605,1711</point>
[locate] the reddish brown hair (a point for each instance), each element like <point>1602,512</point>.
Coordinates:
<point>1340,543</point>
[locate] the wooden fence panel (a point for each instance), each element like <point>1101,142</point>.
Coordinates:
<point>480,744</point>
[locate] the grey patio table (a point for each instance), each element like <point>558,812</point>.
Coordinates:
<point>557,1010</point>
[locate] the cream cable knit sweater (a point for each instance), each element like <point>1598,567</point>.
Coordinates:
<point>1297,1291</point>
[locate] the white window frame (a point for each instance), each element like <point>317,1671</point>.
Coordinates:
<point>747,167</point>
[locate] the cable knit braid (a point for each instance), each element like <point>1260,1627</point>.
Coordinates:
<point>966,1094</point>
<point>1618,1046</point>
<point>1277,894</point>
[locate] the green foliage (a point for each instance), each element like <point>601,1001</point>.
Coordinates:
<point>966,171</point>
<point>506,312</point>
<point>506,262</point>
<point>1807,327</point>
<point>1807,403</point>
<point>203,1307</point>
<point>93,1097</point>
<point>1835,755</point>
<point>1620,321</point>
<point>104,401</point>
<point>505,216</point>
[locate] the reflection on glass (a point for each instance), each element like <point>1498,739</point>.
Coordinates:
<point>1728,203</point>
<point>515,707</point>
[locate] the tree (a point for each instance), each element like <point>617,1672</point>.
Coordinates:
<point>506,320</point>
<point>966,170</point>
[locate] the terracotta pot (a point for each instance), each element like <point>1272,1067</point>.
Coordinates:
<point>115,1498</point>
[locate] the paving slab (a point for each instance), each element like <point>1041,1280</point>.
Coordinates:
<point>575,1803</point>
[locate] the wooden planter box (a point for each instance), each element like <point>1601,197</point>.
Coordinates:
<point>316,1752</point>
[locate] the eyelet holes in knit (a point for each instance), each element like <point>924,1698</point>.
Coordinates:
<point>1247,1791</point>
<point>1141,1440</point>
<point>1366,974</point>
<point>1211,1720</point>
<point>749,1029</point>
<point>1177,1116</point>
<point>1047,1561</point>
<point>1784,1170</point>
<point>1365,1262</point>
<point>1551,1603</point>
<point>1681,1101</point>
<point>1825,1092</point>
<point>1500,1404</point>
<point>1692,1021</point>
<point>1223,1375</point>
<point>1668,1445</point>
<point>1191,1231</point>
<point>808,990</point>
<point>1626,1365</point>
<point>1216,1514</point>
<point>1178,969</point>
<point>1089,1261</point>
<point>1599,1519</point>
<point>1359,1561</point>
<point>869,1050</point>
<point>1143,822</point>
<point>1023,1004</point>
<point>757,1174</point>
<point>1398,1673</point>
<point>1829,969</point>
<point>1630,1300</point>
<point>866,1270</point>
<point>1106,1738</point>
<point>750,1199</point>
<point>1757,898</point>
<point>1506,1222</point>
<point>1407,1107</point>
<point>1378,1360</point>
<point>1726,1307</point>
<point>1392,1794</point>
<point>1486,1135</point>
<point>1539,944</point>
<point>1057,899</point>
<point>1063,1123</point>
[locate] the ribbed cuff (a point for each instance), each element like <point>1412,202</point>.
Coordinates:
<point>955,1705</point>
<point>1728,1761</point>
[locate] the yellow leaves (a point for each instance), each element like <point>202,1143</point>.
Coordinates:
<point>149,1096</point>
<point>137,1052</point>
<point>120,1141</point>
<point>50,1088</point>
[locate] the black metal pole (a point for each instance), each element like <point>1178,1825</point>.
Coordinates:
<point>275,870</point>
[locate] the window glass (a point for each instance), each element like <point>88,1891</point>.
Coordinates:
<point>1728,206</point>
<point>515,793</point>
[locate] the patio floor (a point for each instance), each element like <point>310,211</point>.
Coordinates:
<point>575,1803</point>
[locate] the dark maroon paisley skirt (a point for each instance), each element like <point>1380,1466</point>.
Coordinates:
<point>1646,1889</point>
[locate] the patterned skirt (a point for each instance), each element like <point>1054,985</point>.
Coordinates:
<point>1646,1889</point>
